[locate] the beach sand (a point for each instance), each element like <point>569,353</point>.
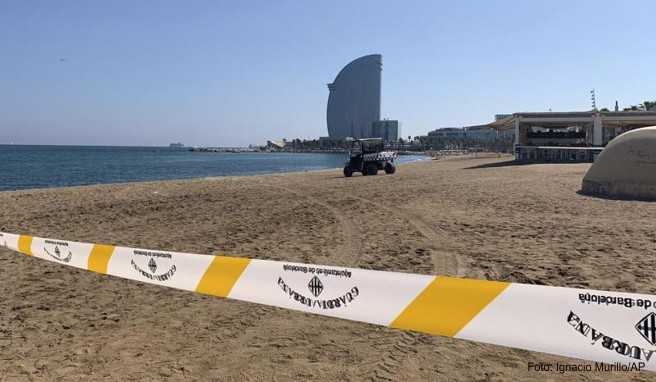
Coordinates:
<point>478,218</point>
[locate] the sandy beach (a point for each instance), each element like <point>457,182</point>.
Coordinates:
<point>469,217</point>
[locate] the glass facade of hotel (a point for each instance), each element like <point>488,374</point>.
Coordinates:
<point>354,100</point>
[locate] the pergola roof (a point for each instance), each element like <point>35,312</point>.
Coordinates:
<point>574,117</point>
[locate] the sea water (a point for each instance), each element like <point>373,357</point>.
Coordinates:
<point>26,167</point>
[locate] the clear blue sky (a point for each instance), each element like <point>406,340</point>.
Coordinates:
<point>240,72</point>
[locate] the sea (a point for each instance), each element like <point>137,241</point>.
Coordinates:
<point>27,167</point>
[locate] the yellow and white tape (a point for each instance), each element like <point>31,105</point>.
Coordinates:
<point>588,324</point>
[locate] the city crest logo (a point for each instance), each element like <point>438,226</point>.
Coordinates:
<point>151,263</point>
<point>647,328</point>
<point>57,250</point>
<point>315,286</point>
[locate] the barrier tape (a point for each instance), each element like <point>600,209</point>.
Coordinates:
<point>612,327</point>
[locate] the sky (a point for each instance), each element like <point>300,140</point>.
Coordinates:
<point>233,73</point>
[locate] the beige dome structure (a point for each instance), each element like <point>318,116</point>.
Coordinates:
<point>626,168</point>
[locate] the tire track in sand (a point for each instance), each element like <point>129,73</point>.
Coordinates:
<point>444,263</point>
<point>351,240</point>
<point>251,316</point>
<point>401,345</point>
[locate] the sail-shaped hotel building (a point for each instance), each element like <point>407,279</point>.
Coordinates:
<point>354,100</point>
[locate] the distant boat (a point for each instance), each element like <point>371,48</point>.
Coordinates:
<point>176,145</point>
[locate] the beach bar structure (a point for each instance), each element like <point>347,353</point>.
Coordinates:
<point>568,136</point>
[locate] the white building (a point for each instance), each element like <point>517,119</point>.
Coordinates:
<point>568,136</point>
<point>593,129</point>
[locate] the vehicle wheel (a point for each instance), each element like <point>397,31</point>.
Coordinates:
<point>389,168</point>
<point>348,171</point>
<point>372,169</point>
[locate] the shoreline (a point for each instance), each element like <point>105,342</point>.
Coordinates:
<point>427,158</point>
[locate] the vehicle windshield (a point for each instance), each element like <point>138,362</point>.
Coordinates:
<point>372,146</point>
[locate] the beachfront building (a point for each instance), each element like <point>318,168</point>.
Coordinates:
<point>447,132</point>
<point>387,129</point>
<point>334,144</point>
<point>477,137</point>
<point>354,99</point>
<point>480,132</point>
<point>276,145</point>
<point>568,136</point>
